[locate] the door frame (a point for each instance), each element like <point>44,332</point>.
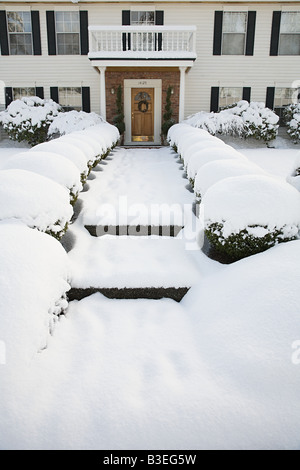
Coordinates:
<point>143,83</point>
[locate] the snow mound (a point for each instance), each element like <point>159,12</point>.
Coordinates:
<point>294,178</point>
<point>67,150</point>
<point>250,347</point>
<point>36,200</point>
<point>50,165</point>
<point>71,121</point>
<point>239,202</point>
<point>217,170</point>
<point>33,283</point>
<point>104,132</point>
<point>209,154</point>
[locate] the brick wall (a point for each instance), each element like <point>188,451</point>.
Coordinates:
<point>116,77</point>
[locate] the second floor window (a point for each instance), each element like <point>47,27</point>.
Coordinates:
<point>67,26</point>
<point>19,32</point>
<point>289,38</point>
<point>234,33</point>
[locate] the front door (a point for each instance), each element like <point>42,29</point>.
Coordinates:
<point>142,114</point>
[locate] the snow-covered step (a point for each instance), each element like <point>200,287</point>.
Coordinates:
<point>134,230</point>
<point>125,267</point>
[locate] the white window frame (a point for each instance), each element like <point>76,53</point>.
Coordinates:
<point>59,33</point>
<point>233,33</point>
<point>19,33</point>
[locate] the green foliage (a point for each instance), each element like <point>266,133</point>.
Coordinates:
<point>243,244</point>
<point>291,115</point>
<point>118,120</point>
<point>168,120</point>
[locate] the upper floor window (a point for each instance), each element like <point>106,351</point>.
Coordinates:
<point>67,27</point>
<point>234,33</point>
<point>289,39</point>
<point>19,32</point>
<point>142,18</point>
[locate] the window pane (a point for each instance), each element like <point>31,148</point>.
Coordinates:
<point>229,96</point>
<point>289,44</point>
<point>67,32</point>
<point>19,92</point>
<point>68,43</point>
<point>142,17</point>
<point>70,97</point>
<point>20,44</point>
<point>234,22</point>
<point>285,96</point>
<point>290,22</point>
<point>233,44</point>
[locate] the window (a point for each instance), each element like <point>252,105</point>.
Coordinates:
<point>19,92</point>
<point>70,98</point>
<point>283,97</point>
<point>229,96</point>
<point>289,38</point>
<point>234,33</point>
<point>19,32</point>
<point>67,26</point>
<point>142,18</point>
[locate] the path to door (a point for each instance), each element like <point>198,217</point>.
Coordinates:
<point>124,374</point>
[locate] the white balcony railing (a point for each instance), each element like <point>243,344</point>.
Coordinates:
<point>142,42</point>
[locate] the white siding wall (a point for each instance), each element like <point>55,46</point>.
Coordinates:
<point>257,72</point>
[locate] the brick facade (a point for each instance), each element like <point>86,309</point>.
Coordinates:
<point>116,76</point>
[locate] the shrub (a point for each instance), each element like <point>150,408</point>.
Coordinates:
<point>28,119</point>
<point>240,217</point>
<point>72,121</point>
<point>243,120</point>
<point>118,120</point>
<point>168,120</point>
<point>292,119</point>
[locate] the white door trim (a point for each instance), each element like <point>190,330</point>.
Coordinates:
<point>157,85</point>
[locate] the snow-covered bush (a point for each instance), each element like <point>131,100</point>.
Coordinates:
<point>243,120</point>
<point>28,119</point>
<point>33,286</point>
<point>72,121</point>
<point>217,170</point>
<point>36,200</point>
<point>246,215</point>
<point>292,119</point>
<point>51,165</point>
<point>67,150</point>
<point>209,154</point>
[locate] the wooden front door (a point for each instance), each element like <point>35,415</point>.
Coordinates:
<point>142,114</point>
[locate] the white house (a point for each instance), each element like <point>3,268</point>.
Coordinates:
<point>211,54</point>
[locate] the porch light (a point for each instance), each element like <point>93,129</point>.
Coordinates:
<point>112,91</point>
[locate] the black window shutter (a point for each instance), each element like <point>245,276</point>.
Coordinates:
<point>126,22</point>
<point>54,93</point>
<point>85,94</point>
<point>270,97</point>
<point>214,99</point>
<point>39,91</point>
<point>3,33</point>
<point>247,93</point>
<point>275,32</point>
<point>218,26</point>
<point>159,21</point>
<point>8,95</point>
<point>250,32</point>
<point>51,32</point>
<point>36,32</point>
<point>84,33</point>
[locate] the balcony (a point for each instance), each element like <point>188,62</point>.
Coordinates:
<point>151,43</point>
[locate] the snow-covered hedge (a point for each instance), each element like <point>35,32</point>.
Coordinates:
<point>28,119</point>
<point>292,119</point>
<point>246,215</point>
<point>217,170</point>
<point>36,200</point>
<point>34,282</point>
<point>72,121</point>
<point>243,120</point>
<point>51,165</point>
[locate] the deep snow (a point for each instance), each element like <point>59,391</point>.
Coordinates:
<point>218,370</point>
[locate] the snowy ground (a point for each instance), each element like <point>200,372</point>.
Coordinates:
<point>220,370</point>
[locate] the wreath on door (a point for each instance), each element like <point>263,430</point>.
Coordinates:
<point>143,106</point>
